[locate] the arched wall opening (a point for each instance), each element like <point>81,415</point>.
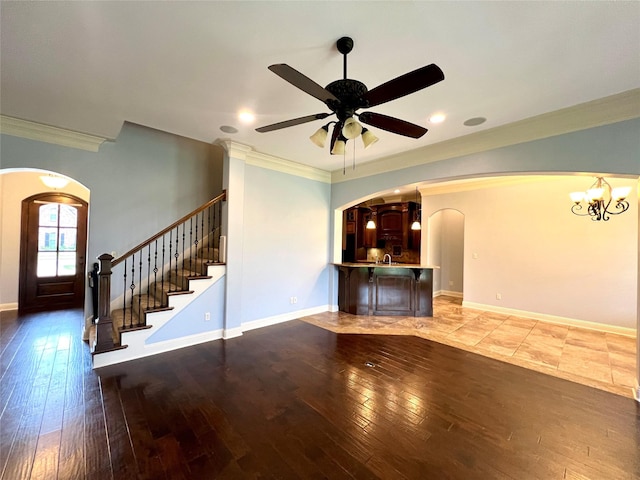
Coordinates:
<point>17,184</point>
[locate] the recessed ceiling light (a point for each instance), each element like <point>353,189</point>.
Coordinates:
<point>246,116</point>
<point>397,190</point>
<point>228,129</point>
<point>472,122</point>
<point>437,118</point>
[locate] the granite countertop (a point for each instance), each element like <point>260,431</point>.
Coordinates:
<point>384,265</point>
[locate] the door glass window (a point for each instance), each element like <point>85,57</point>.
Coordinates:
<point>57,231</point>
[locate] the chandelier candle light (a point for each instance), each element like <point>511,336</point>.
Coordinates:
<point>598,199</point>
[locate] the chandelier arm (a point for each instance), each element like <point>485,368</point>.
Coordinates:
<point>577,206</point>
<point>621,205</point>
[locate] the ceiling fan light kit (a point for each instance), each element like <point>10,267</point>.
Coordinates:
<point>344,97</point>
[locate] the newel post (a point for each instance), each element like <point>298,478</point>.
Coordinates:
<point>104,336</point>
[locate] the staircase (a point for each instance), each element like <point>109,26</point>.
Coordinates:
<point>134,316</point>
<point>157,279</point>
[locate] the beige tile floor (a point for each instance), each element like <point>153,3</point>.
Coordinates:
<point>598,359</point>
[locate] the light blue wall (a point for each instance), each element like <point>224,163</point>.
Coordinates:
<point>286,243</point>
<point>191,320</point>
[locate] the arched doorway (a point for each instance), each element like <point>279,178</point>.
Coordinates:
<point>53,239</point>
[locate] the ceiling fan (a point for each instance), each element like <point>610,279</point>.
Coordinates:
<point>344,97</point>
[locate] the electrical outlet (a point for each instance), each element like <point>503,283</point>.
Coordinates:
<point>207,316</point>
<point>451,283</point>
<point>498,296</point>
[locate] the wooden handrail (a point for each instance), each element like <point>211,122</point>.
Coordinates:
<point>121,258</point>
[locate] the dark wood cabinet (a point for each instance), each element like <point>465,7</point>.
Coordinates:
<point>379,290</point>
<point>394,224</point>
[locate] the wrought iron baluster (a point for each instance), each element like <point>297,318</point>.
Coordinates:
<point>162,276</point>
<point>124,296</point>
<point>201,238</point>
<point>148,274</point>
<point>213,233</point>
<point>155,273</point>
<point>216,224</point>
<point>132,287</point>
<point>196,244</point>
<point>176,255</point>
<point>183,239</point>
<point>191,242</point>
<point>209,227</point>
<point>170,260</point>
<point>140,312</point>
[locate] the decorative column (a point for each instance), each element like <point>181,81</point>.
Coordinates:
<point>233,182</point>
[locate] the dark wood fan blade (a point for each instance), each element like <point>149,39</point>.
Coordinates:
<point>404,85</point>
<point>304,83</point>
<point>393,125</point>
<point>292,122</point>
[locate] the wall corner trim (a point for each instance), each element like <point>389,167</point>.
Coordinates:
<point>48,134</point>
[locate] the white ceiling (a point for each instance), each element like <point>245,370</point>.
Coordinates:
<point>190,67</point>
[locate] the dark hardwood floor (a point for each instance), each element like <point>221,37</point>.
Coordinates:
<point>297,401</point>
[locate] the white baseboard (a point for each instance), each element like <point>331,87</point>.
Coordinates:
<point>571,322</point>
<point>5,307</point>
<point>140,349</point>
<point>285,317</point>
<point>228,333</point>
<point>448,293</point>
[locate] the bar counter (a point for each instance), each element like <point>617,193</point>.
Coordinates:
<point>385,289</point>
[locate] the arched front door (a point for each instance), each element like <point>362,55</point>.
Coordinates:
<point>52,252</point>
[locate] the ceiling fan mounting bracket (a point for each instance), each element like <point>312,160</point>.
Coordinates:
<point>344,45</point>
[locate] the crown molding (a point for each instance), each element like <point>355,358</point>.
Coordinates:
<point>263,160</point>
<point>604,111</point>
<point>45,133</point>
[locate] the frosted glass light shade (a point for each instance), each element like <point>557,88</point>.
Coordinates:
<point>416,225</point>
<point>371,225</point>
<point>351,128</point>
<point>595,194</point>
<point>368,138</point>
<point>320,137</point>
<point>577,197</point>
<point>338,147</point>
<point>620,193</point>
<point>53,181</point>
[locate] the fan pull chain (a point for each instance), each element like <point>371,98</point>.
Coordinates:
<point>344,162</point>
<point>354,156</point>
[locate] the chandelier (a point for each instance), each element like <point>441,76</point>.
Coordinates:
<point>598,199</point>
